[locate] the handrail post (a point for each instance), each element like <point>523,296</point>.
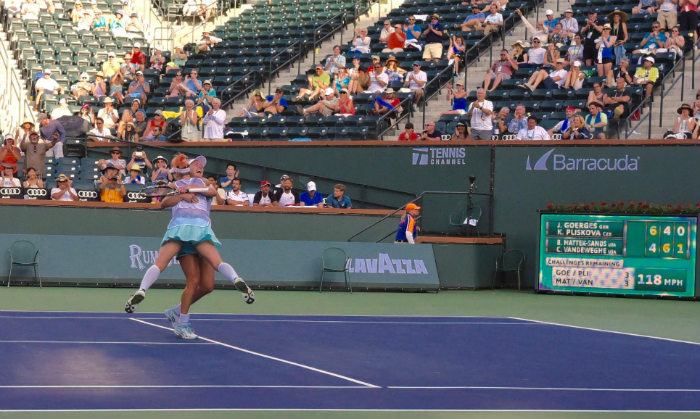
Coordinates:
<point>651,105</point>
<point>661,104</point>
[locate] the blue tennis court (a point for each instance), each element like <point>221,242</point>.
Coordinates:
<point>102,361</point>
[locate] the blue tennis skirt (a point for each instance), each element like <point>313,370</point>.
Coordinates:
<point>190,236</point>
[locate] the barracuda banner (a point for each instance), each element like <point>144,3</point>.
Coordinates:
<point>269,263</point>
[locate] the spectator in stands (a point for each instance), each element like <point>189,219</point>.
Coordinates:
<point>596,120</point>
<point>156,121</point>
<point>535,55</point>
<point>311,198</point>
<point>83,87</point>
<point>540,31</point>
<point>396,41</point>
<point>116,25</point>
<point>695,106</point>
<point>178,88</point>
<point>416,80</point>
<point>460,132</point>
<point>135,177</point>
<point>112,65</point>
<point>22,133</point>
<point>386,104</point>
<point>52,130</point>
<point>558,36</point>
<point>360,45</point>
<point>433,39</point>
<point>112,189</point>
<point>179,57</point>
<point>339,199</point>
<point>569,25</point>
<point>33,180</point>
<point>76,12</point>
<point>161,173</point>
<point>116,86</point>
<point>500,70</point>
<point>596,94</point>
<point>99,87</point>
<point>518,121</point>
<point>354,68</point>
<point>394,73</point>
<point>129,133</point>
<point>688,17</point>
<point>667,13</point>
<point>30,10</point>
<point>474,21</point>
<point>606,57</point>
<point>159,135</point>
<point>100,23</point>
<point>140,158</point>
<point>134,28</point>
<point>341,80</point>
<point>61,109</point>
<point>578,130</point>
<point>519,54</point>
<point>189,122</point>
<point>214,121</point>
<point>226,182</point>
<point>553,80</point>
<point>345,103</point>
<point>194,8</point>
<point>318,83</point>
<point>501,127</point>
<point>263,197</point>
<point>379,79</point>
<point>481,112</point>
<point>533,131</point>
<point>565,123</point>
<point>685,123</point>
<point>335,61</point>
<point>645,7</point>
<point>387,30</point>
<point>46,85</point>
<point>9,152</point>
<point>138,58</point>
<point>157,60</point>
<point>7,177</point>
<point>35,153</point>
<point>456,52</point>
<point>575,51</point>
<point>140,122</point>
<point>493,21</point>
<point>116,161</point>
<point>409,133</point>
<point>207,42</point>
<point>359,82</point>
<point>646,75</point>
<point>549,21</point>
<point>236,196</point>
<point>652,41</point>
<point>551,55</point>
<point>63,190</point>
<point>256,106</point>
<point>430,133</point>
<point>275,104</point>
<point>326,107</point>
<point>413,32</point>
<point>675,42</point>
<point>618,24</point>
<point>575,77</point>
<point>458,97</point>
<point>139,88</point>
<point>109,114</point>
<point>591,31</point>
<point>13,8</point>
<point>285,196</point>
<point>618,101</point>
<point>100,132</point>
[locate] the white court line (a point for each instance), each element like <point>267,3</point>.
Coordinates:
<point>90,342</point>
<point>606,331</point>
<point>284,361</point>
<point>224,409</point>
<point>631,390</point>
<point>176,386</point>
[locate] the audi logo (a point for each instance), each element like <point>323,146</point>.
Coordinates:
<point>135,196</point>
<point>36,192</point>
<point>10,191</point>
<point>87,194</point>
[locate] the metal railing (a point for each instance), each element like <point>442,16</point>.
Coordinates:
<point>672,75</point>
<point>15,105</point>
<point>406,104</point>
<point>628,121</point>
<point>319,36</point>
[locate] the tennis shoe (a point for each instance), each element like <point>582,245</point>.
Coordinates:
<point>172,316</point>
<point>248,294</point>
<point>134,300</point>
<point>184,331</point>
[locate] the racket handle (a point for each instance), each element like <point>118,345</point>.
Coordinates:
<point>198,190</point>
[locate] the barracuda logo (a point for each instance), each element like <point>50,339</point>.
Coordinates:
<point>561,162</point>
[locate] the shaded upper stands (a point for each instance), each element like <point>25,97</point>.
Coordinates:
<point>364,126</point>
<point>52,41</point>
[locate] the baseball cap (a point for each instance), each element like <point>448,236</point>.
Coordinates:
<point>265,183</point>
<point>139,73</point>
<point>284,177</point>
<point>47,71</point>
<point>111,54</point>
<point>570,108</point>
<point>158,112</point>
<point>9,137</point>
<point>568,11</point>
<point>375,57</point>
<point>328,91</point>
<point>460,124</point>
<point>577,63</point>
<point>61,178</point>
<point>311,186</point>
<point>549,12</point>
<point>416,63</point>
<point>411,207</point>
<point>650,58</point>
<point>200,159</point>
<point>207,82</point>
<point>137,45</point>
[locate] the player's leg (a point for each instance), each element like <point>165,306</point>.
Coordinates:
<point>209,252</point>
<point>190,266</point>
<point>167,251</point>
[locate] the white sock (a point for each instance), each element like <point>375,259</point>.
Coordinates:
<point>184,318</point>
<point>227,271</point>
<point>149,277</point>
<point>177,310</point>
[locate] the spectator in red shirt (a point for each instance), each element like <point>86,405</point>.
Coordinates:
<point>386,104</point>
<point>396,40</point>
<point>408,134</point>
<point>138,57</point>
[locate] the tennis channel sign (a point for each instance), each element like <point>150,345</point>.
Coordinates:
<point>618,254</point>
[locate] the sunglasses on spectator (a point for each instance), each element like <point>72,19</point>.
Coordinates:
<point>114,152</point>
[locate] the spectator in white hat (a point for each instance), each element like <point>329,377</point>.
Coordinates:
<point>310,198</point>
<point>46,85</point>
<point>214,121</point>
<point>569,25</point>
<point>326,107</point>
<point>61,110</point>
<point>549,21</point>
<point>83,87</point>
<point>646,75</point>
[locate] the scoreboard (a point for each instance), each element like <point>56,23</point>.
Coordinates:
<point>618,254</point>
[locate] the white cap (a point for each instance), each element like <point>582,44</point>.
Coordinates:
<point>650,58</point>
<point>47,71</point>
<point>84,75</point>
<point>328,91</point>
<point>549,12</point>
<point>111,54</point>
<point>311,186</point>
<point>577,63</point>
<point>200,159</point>
<point>137,45</point>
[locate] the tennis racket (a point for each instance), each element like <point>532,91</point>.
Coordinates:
<point>161,190</point>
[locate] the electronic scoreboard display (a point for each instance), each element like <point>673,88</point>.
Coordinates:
<point>618,254</point>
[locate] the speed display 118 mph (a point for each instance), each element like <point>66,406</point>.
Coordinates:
<point>618,254</point>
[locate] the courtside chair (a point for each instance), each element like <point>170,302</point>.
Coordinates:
<point>335,260</point>
<point>24,253</point>
<point>467,220</point>
<point>511,261</point>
